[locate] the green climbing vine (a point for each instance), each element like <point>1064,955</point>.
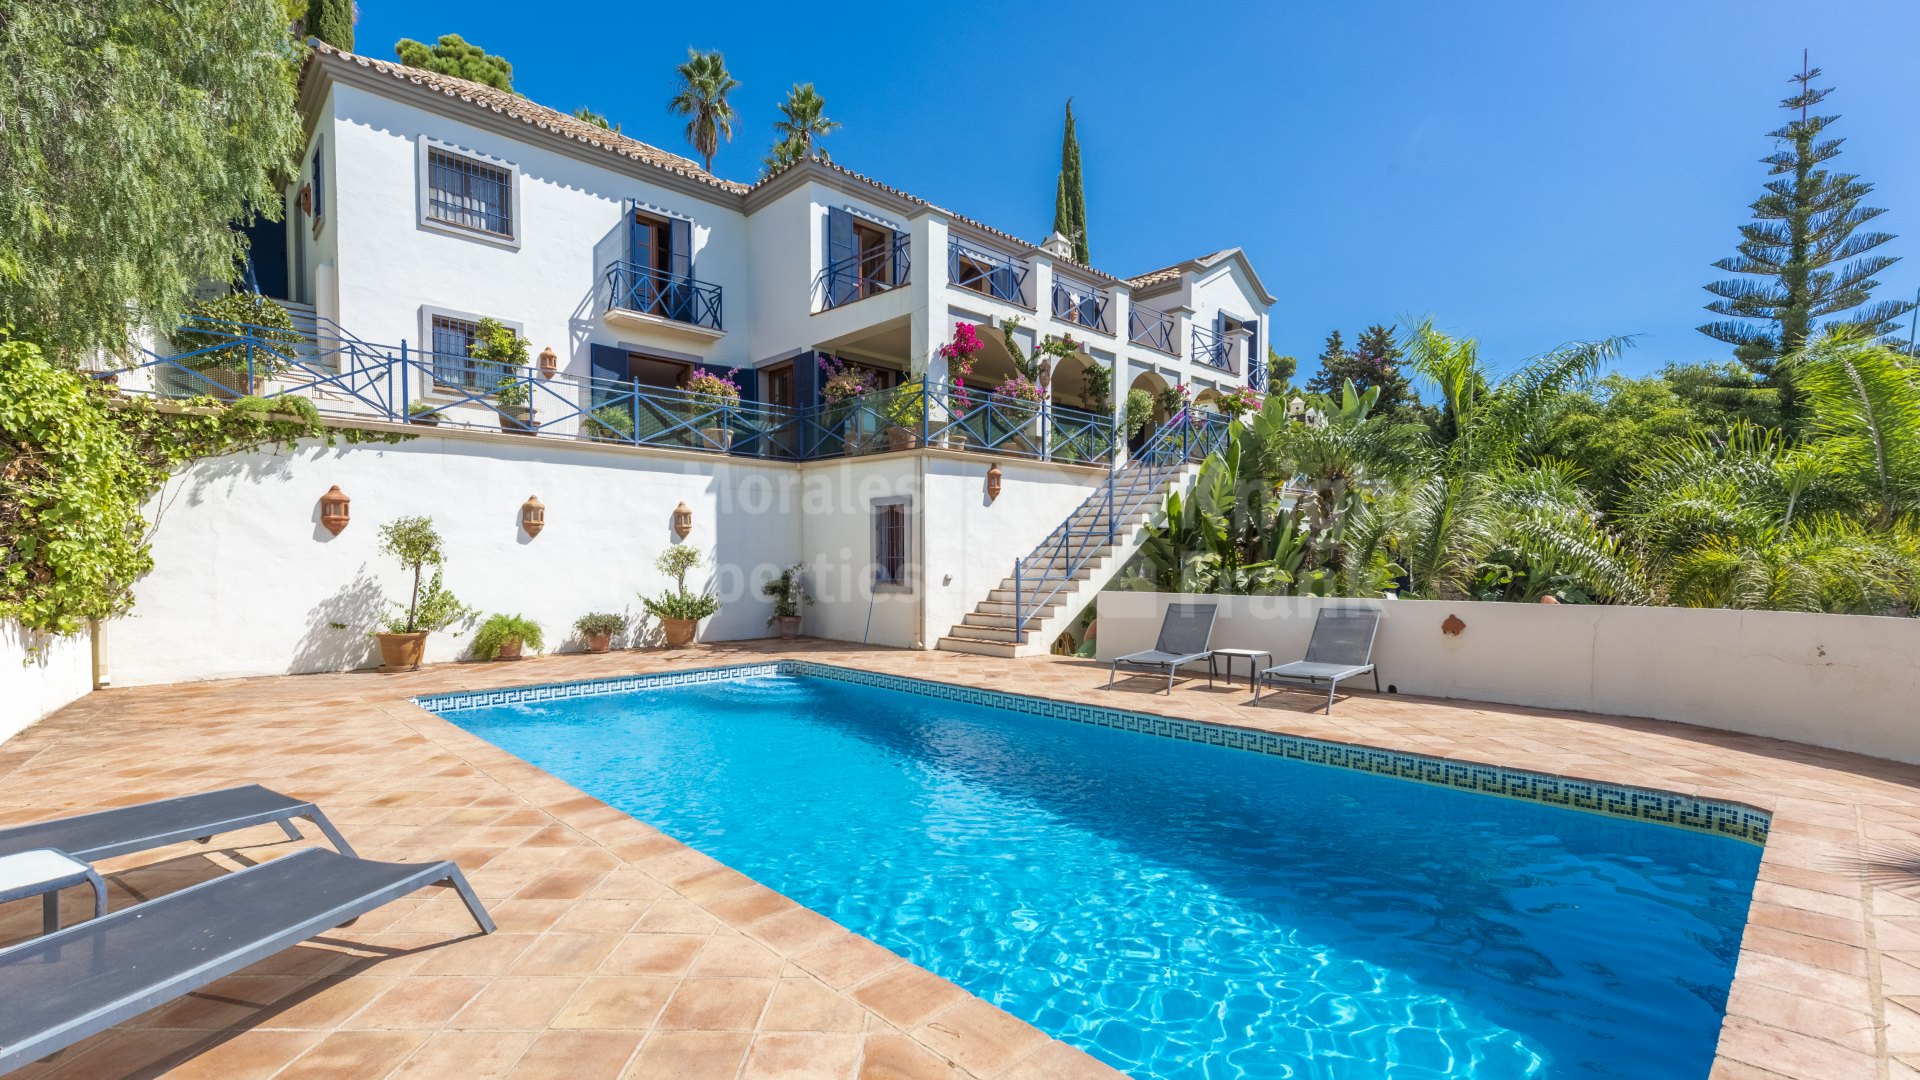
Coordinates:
<point>78,465</point>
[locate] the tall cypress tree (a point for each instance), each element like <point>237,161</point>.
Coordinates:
<point>1069,200</point>
<point>1802,254</point>
<point>332,22</point>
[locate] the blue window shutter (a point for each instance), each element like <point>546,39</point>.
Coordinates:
<point>749,381</point>
<point>609,364</point>
<point>680,247</point>
<point>637,249</point>
<point>902,261</point>
<point>843,272</point>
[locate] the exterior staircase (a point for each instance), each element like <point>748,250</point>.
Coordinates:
<point>1053,584</point>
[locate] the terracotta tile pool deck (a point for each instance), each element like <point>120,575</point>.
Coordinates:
<point>622,953</point>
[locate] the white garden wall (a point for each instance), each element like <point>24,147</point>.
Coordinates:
<point>1843,681</point>
<point>39,675</point>
<point>247,581</point>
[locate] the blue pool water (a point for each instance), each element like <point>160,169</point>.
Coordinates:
<point>1181,910</point>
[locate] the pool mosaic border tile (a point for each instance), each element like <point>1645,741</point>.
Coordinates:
<point>1615,800</point>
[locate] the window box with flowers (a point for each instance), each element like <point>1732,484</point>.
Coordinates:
<point>711,392</point>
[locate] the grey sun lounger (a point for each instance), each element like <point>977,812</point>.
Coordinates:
<point>1186,635</point>
<point>67,985</point>
<point>126,829</point>
<point>1341,648</point>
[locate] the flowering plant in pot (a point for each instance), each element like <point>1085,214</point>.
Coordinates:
<point>430,607</point>
<point>504,353</point>
<point>598,628</point>
<point>1239,401</point>
<point>715,392</point>
<point>789,594</point>
<point>904,410</point>
<point>679,611</point>
<point>502,637</point>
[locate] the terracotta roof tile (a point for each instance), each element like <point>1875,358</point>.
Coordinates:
<point>519,108</point>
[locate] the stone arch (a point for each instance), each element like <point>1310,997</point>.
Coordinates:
<point>1069,383</point>
<point>1153,384</point>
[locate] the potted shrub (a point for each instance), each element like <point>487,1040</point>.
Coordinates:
<point>423,414</point>
<point>679,611</point>
<point>502,637</point>
<point>1139,411</point>
<point>789,594</point>
<point>503,353</point>
<point>403,633</point>
<point>840,383</point>
<point>597,629</point>
<point>239,341</point>
<point>710,391</point>
<point>611,422</point>
<point>904,410</point>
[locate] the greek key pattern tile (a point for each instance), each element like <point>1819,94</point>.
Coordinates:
<point>1615,800</point>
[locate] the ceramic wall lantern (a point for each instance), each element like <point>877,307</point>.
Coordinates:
<point>682,520</point>
<point>1452,626</point>
<point>533,515</point>
<point>333,510</point>
<point>549,363</point>
<point>993,482</point>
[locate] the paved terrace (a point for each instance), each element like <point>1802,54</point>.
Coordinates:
<point>623,953</point>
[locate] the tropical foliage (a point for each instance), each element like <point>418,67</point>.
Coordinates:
<point>803,123</point>
<point>705,85</point>
<point>1552,481</point>
<point>113,206</point>
<point>503,631</point>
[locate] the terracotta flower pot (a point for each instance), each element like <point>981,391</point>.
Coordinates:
<point>718,438</point>
<point>789,626</point>
<point>508,651</point>
<point>599,642</point>
<point>899,438</point>
<point>679,631</point>
<point>402,652</point>
<point>517,420</point>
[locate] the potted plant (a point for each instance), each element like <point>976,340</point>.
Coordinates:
<point>789,594</point>
<point>504,353</point>
<point>1239,401</point>
<point>1139,411</point>
<point>597,629</point>
<point>502,637</point>
<point>238,341</point>
<point>423,414</point>
<point>611,422</point>
<point>679,611</point>
<point>840,383</point>
<point>710,391</point>
<point>403,633</point>
<point>905,410</point>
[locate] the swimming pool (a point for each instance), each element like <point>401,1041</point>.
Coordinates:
<point>1180,909</point>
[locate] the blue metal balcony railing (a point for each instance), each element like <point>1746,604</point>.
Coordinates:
<point>1081,304</point>
<point>868,273</point>
<point>1151,328</point>
<point>987,272</point>
<point>633,287</point>
<point>1213,350</point>
<point>349,379</point>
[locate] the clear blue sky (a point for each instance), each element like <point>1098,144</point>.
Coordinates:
<point>1528,173</point>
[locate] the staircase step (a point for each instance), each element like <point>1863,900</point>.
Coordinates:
<point>986,633</point>
<point>979,647</point>
<point>1005,607</point>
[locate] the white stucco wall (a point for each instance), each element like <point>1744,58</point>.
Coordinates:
<point>40,675</point>
<point>247,582</point>
<point>973,543</point>
<point>1842,681</point>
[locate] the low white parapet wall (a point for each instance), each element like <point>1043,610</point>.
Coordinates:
<point>39,675</point>
<point>1848,682</point>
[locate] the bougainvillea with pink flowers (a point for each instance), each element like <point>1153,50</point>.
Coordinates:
<point>721,388</point>
<point>842,380</point>
<point>1020,388</point>
<point>1240,401</point>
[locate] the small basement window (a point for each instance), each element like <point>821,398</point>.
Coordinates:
<point>890,544</point>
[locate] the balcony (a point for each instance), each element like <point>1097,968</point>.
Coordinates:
<point>1214,350</point>
<point>871,272</point>
<point>1081,304</point>
<point>643,296</point>
<point>987,273</point>
<point>1153,329</point>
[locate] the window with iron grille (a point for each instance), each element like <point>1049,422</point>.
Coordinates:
<point>453,366</point>
<point>890,543</point>
<point>469,193</point>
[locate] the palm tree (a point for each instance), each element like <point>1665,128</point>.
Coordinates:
<point>1753,519</point>
<point>802,121</point>
<point>1481,496</point>
<point>702,99</point>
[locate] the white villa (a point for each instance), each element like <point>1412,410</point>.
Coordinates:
<point>927,514</point>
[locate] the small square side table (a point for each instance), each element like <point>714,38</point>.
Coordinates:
<point>1230,655</point>
<point>43,873</point>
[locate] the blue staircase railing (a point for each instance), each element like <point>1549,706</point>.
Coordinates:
<point>1188,437</point>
